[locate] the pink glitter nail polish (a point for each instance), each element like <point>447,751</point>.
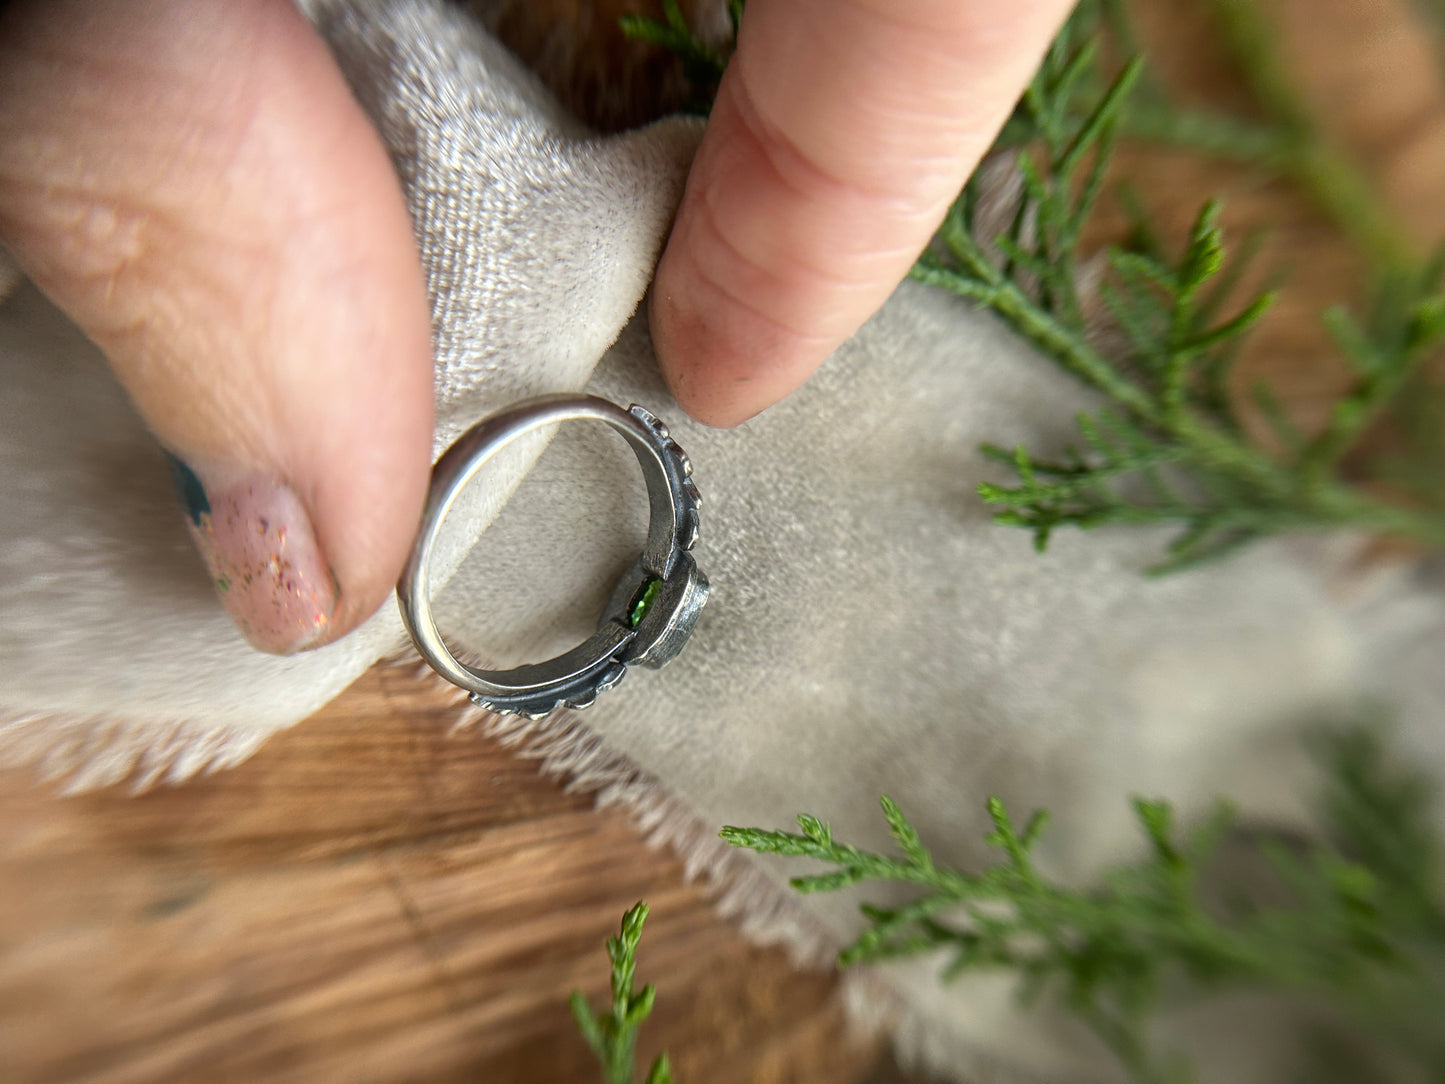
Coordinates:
<point>262,553</point>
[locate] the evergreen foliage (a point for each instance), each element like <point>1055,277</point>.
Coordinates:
<point>702,62</point>
<point>1168,446</point>
<point>612,1034</point>
<point>1362,933</point>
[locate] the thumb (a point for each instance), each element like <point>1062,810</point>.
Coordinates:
<point>192,182</point>
<point>842,131</point>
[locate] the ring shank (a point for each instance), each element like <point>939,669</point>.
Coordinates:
<point>594,659</point>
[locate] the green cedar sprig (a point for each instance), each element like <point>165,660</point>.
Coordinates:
<point>612,1035</point>
<point>702,63</point>
<point>1364,929</point>
<point>1167,448</point>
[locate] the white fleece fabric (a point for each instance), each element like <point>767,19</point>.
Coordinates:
<point>870,630</point>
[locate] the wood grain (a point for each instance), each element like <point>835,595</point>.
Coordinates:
<point>372,898</point>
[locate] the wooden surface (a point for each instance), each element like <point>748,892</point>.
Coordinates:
<point>370,898</point>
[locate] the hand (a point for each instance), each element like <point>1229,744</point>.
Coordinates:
<point>192,183</point>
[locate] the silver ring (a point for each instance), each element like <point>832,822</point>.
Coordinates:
<point>653,608</point>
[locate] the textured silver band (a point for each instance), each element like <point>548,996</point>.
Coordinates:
<point>654,607</point>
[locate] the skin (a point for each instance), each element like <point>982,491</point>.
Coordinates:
<point>842,132</point>
<point>285,342</point>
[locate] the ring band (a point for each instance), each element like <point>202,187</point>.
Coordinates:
<point>653,608</point>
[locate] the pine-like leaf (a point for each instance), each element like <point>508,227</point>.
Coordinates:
<point>1351,935</point>
<point>612,1034</point>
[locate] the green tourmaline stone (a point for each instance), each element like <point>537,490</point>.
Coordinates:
<point>642,602</point>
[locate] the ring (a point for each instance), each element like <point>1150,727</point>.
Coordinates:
<point>653,608</point>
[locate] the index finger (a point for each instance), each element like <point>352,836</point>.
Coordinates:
<point>842,131</point>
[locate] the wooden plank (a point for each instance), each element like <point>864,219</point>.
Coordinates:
<point>367,898</point>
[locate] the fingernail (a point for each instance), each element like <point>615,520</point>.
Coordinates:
<point>256,538</point>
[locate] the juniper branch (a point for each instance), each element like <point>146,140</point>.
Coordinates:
<point>1363,931</point>
<point>612,1035</point>
<point>702,62</point>
<point>1168,390</point>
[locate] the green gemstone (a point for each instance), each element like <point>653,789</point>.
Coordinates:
<point>642,602</point>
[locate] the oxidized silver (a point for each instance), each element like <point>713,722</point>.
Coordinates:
<point>642,624</point>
